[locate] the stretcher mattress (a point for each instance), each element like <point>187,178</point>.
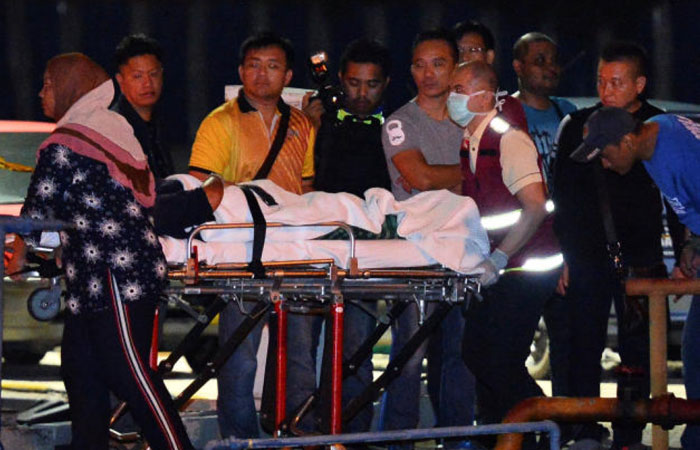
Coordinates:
<point>371,254</point>
<point>437,227</point>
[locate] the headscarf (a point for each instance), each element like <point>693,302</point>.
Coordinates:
<point>82,94</point>
<point>72,75</point>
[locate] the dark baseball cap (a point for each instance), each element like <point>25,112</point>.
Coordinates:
<point>604,127</point>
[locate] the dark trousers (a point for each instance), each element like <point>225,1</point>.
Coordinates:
<point>555,315</point>
<point>108,351</point>
<point>497,340</point>
<point>592,289</point>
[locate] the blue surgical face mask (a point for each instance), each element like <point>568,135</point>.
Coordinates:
<point>459,111</point>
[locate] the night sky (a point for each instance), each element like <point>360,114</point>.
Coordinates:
<point>201,41</point>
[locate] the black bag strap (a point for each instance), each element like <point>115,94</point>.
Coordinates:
<point>259,230</point>
<point>264,170</point>
<point>613,243</point>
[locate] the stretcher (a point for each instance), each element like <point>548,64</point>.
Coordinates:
<point>315,284</point>
<point>284,267</point>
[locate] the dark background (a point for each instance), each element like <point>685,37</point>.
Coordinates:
<point>201,41</point>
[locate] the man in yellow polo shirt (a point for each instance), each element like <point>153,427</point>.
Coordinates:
<point>234,141</point>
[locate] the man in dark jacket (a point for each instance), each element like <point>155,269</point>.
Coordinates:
<point>348,157</point>
<point>140,79</point>
<point>588,243</point>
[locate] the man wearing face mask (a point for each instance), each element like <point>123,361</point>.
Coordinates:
<point>502,172</point>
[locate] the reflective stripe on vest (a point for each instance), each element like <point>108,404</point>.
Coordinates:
<point>508,219</point>
<point>531,264</point>
<point>543,264</point>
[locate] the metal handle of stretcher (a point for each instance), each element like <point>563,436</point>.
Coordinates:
<point>352,262</point>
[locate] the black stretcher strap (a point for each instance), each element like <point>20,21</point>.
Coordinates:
<point>263,194</point>
<point>259,230</point>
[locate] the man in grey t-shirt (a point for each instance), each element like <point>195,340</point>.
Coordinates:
<point>413,139</point>
<point>421,146</point>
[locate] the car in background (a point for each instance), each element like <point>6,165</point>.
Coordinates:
<point>538,363</point>
<point>25,340</point>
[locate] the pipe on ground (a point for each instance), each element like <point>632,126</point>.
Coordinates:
<point>666,411</point>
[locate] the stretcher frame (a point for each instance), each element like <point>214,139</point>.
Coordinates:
<point>287,285</point>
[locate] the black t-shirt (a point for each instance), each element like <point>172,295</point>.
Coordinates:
<point>149,136</point>
<point>635,202</point>
<point>348,155</point>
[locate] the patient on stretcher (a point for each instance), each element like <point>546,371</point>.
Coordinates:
<point>434,227</point>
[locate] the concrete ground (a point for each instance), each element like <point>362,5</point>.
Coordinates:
<point>22,386</point>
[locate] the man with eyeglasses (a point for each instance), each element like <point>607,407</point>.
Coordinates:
<point>140,78</point>
<point>476,42</point>
<point>235,141</point>
<point>421,145</point>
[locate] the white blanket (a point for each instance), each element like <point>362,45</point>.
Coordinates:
<point>443,227</point>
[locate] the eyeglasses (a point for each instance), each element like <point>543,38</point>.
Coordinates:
<point>472,49</point>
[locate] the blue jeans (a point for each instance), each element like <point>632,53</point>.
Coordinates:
<point>691,368</point>
<point>401,400</point>
<point>451,385</point>
<point>303,337</point>
<point>236,405</point>
<point>358,325</point>
<point>455,384</point>
<point>450,382</point>
<point>303,333</point>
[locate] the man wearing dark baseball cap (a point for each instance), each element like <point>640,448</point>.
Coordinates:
<point>604,127</point>
<point>669,148</point>
<point>635,215</point>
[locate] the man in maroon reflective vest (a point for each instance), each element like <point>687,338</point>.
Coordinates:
<point>502,172</point>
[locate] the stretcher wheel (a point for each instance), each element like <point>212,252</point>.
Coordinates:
<point>44,304</point>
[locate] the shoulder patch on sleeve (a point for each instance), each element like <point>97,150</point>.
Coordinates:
<point>395,131</point>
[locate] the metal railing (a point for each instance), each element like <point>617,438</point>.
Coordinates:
<point>657,290</point>
<point>545,426</point>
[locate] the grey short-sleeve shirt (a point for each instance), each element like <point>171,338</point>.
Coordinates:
<point>410,128</point>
